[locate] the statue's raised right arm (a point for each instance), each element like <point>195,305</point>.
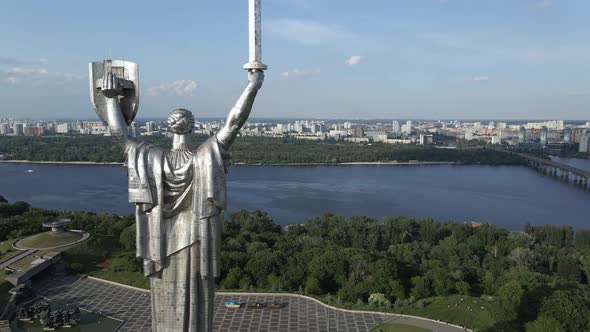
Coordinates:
<point>241,111</point>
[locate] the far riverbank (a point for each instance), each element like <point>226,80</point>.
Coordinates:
<point>379,163</point>
<point>59,162</point>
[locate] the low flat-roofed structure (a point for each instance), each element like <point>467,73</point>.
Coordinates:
<point>34,268</point>
<point>56,225</point>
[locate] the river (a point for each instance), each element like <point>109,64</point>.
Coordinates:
<point>575,162</point>
<point>508,196</point>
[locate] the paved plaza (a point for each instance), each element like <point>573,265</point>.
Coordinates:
<point>298,313</point>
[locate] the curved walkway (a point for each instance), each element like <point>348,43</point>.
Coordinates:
<point>299,313</point>
<point>16,258</point>
<point>85,236</point>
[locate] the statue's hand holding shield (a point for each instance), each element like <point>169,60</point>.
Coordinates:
<point>114,91</point>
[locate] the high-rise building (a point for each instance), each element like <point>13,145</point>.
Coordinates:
<point>63,128</point>
<point>279,129</point>
<point>133,129</point>
<point>395,127</point>
<point>358,132</point>
<point>4,128</point>
<point>298,127</point>
<point>544,133</point>
<point>426,139</point>
<point>150,126</point>
<point>377,136</point>
<point>568,136</point>
<point>18,129</point>
<point>407,128</point>
<point>33,131</point>
<point>585,142</point>
<point>469,134</point>
<point>521,135</point>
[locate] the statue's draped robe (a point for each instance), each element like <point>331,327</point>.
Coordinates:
<point>180,199</point>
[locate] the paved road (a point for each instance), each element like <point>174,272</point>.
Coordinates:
<point>16,258</point>
<point>298,313</point>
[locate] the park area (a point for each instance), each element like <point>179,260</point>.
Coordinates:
<point>49,240</point>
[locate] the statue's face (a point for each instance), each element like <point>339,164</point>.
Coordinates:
<point>181,122</point>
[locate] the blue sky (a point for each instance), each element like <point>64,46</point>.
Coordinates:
<point>512,59</point>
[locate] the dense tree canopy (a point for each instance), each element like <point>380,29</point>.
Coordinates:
<point>539,278</point>
<point>247,150</point>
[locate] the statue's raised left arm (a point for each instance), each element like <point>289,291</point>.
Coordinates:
<point>111,89</point>
<point>241,111</point>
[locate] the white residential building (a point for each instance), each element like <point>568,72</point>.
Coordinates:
<point>395,127</point>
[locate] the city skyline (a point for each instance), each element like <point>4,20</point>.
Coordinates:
<point>427,59</point>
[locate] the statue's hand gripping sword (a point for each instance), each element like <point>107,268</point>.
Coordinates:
<point>255,24</point>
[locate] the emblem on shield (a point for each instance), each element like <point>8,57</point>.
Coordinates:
<point>127,73</point>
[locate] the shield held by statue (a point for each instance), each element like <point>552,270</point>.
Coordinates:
<point>127,74</point>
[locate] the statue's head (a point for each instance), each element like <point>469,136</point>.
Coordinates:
<point>181,122</point>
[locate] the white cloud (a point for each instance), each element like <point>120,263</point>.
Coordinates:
<point>8,61</point>
<point>480,78</point>
<point>181,88</point>
<point>308,32</point>
<point>354,60</point>
<point>299,73</point>
<point>35,73</point>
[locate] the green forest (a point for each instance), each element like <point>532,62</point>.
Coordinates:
<point>478,276</point>
<point>248,150</point>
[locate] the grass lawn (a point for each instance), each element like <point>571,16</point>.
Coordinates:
<point>475,312</point>
<point>117,272</point>
<point>398,328</point>
<point>6,250</point>
<point>135,279</point>
<point>21,264</point>
<point>50,239</point>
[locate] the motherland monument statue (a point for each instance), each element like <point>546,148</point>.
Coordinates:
<point>179,194</point>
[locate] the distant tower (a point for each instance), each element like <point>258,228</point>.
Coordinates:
<point>150,126</point>
<point>395,127</point>
<point>521,135</point>
<point>544,133</point>
<point>585,142</point>
<point>568,136</point>
<point>4,129</point>
<point>133,129</point>
<point>19,129</point>
<point>407,128</point>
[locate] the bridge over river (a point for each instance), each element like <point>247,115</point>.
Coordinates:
<point>566,173</point>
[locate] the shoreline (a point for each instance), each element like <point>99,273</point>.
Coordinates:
<point>59,162</point>
<point>352,163</point>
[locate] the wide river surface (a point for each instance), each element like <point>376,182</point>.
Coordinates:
<point>507,196</point>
